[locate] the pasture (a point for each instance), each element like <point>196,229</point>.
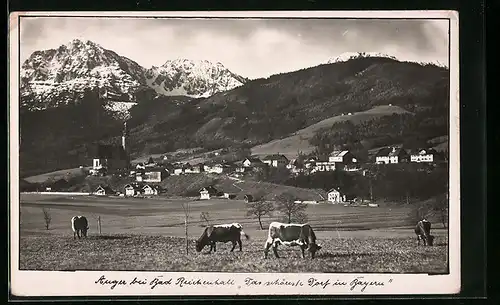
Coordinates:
<point>148,235</point>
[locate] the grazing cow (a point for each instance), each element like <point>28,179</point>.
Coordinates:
<point>423,231</point>
<point>291,235</point>
<point>80,226</point>
<point>221,233</point>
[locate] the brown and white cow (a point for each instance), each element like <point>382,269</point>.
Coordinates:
<point>80,226</point>
<point>221,233</point>
<point>423,231</point>
<point>301,235</point>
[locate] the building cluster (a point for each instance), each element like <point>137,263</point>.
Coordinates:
<point>111,159</point>
<point>394,155</point>
<point>131,190</point>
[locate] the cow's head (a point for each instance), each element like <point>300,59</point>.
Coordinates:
<point>202,241</point>
<point>313,248</point>
<point>430,240</point>
<point>84,231</point>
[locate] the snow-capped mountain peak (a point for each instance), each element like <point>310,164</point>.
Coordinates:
<point>194,78</point>
<point>61,76</point>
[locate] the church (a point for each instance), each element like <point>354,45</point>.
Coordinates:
<point>110,158</point>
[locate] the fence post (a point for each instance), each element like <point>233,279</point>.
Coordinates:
<point>99,224</point>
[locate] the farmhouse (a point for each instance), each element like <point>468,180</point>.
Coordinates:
<point>207,192</point>
<point>103,191</point>
<point>229,196</point>
<point>151,189</point>
<point>193,169</point>
<point>423,155</point>
<point>133,189</point>
<point>391,155</point>
<point>276,160</point>
<point>217,168</point>
<point>310,163</point>
<point>342,156</point>
<point>324,166</point>
<point>154,175</point>
<point>179,168</point>
<point>251,162</point>
<point>334,196</point>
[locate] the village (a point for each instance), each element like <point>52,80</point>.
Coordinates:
<point>114,160</point>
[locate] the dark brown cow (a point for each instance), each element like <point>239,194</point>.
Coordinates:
<point>423,231</point>
<point>301,235</point>
<point>221,233</point>
<point>80,226</point>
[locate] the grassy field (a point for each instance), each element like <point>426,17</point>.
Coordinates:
<point>299,141</point>
<point>147,234</point>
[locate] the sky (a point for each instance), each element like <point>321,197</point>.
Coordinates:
<point>252,48</point>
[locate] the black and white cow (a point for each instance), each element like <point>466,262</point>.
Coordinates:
<point>301,235</point>
<point>221,233</point>
<point>80,226</point>
<point>423,231</point>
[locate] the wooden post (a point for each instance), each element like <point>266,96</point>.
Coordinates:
<point>99,224</point>
<point>186,215</point>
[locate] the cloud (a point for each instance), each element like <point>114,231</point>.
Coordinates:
<point>250,47</point>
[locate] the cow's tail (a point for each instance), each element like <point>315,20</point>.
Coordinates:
<point>244,234</point>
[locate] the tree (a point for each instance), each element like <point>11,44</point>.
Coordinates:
<point>291,209</point>
<point>47,217</point>
<point>436,207</point>
<point>150,160</point>
<point>259,208</point>
<point>440,209</point>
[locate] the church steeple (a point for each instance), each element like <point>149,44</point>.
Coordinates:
<point>125,137</point>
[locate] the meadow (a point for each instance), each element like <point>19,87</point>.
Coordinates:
<point>148,235</point>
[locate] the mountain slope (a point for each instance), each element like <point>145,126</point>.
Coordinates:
<point>199,78</point>
<point>299,141</point>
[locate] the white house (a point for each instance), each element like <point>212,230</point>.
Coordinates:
<point>334,196</point>
<point>151,190</point>
<point>423,155</point>
<point>207,192</point>
<point>343,156</point>
<point>251,162</point>
<point>154,175</point>
<point>391,155</point>
<point>103,191</point>
<point>276,160</point>
<point>324,166</point>
<point>132,190</point>
<point>178,171</point>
